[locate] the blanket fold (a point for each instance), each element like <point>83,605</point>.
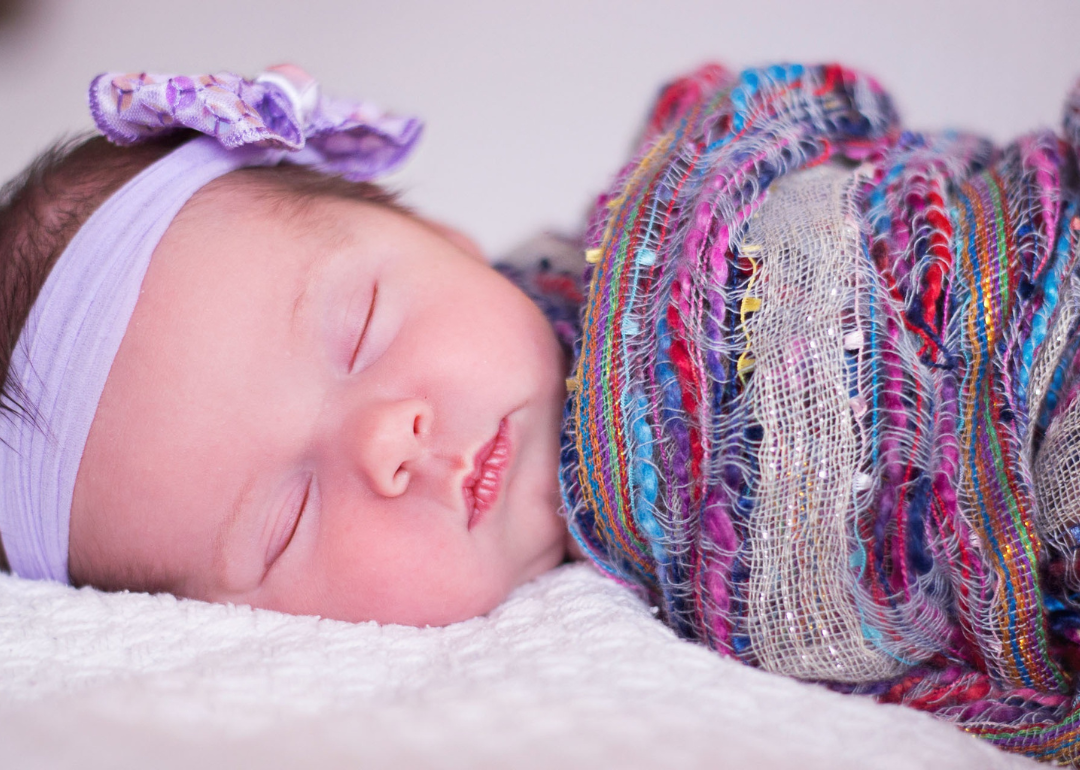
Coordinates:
<point>825,409</point>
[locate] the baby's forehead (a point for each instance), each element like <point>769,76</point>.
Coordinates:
<point>312,209</point>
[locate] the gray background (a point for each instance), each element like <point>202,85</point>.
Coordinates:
<point>530,107</point>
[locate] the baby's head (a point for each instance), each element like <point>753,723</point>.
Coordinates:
<point>321,403</point>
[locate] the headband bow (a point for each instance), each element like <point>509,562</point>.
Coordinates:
<point>281,109</point>
<point>62,358</point>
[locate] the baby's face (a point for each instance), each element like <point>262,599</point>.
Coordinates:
<point>340,413</point>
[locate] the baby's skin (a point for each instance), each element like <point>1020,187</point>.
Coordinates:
<point>328,408</point>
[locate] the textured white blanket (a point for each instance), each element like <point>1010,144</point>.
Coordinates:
<point>572,671</point>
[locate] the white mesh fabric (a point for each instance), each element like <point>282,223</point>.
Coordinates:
<point>1057,480</point>
<point>1056,467</point>
<point>802,616</point>
<point>1046,361</point>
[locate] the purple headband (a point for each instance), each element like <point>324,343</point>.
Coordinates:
<point>65,351</point>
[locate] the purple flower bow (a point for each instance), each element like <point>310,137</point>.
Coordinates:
<point>281,109</point>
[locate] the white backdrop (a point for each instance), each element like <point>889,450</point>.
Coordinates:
<point>530,107</point>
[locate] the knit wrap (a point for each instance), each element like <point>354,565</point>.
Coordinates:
<point>825,411</point>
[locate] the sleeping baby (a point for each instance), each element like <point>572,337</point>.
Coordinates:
<point>819,404</point>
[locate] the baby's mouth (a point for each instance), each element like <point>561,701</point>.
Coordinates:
<point>481,487</point>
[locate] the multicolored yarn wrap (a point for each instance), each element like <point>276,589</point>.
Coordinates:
<point>826,408</point>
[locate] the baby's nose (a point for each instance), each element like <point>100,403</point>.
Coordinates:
<point>391,438</point>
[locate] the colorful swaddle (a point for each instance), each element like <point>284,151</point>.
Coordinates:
<point>826,407</point>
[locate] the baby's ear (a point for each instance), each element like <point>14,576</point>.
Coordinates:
<point>458,238</point>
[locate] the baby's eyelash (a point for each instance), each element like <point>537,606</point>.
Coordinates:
<point>364,329</point>
<point>299,513</point>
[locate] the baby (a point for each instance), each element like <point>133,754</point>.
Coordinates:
<point>315,401</point>
<point>822,410</point>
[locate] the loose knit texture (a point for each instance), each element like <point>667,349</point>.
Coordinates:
<point>825,411</point>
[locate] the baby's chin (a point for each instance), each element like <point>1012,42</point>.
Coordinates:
<point>483,604</point>
<point>437,617</point>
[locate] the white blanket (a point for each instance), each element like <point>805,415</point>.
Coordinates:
<point>572,671</point>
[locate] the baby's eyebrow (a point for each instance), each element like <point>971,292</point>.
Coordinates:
<point>300,302</point>
<point>307,278</point>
